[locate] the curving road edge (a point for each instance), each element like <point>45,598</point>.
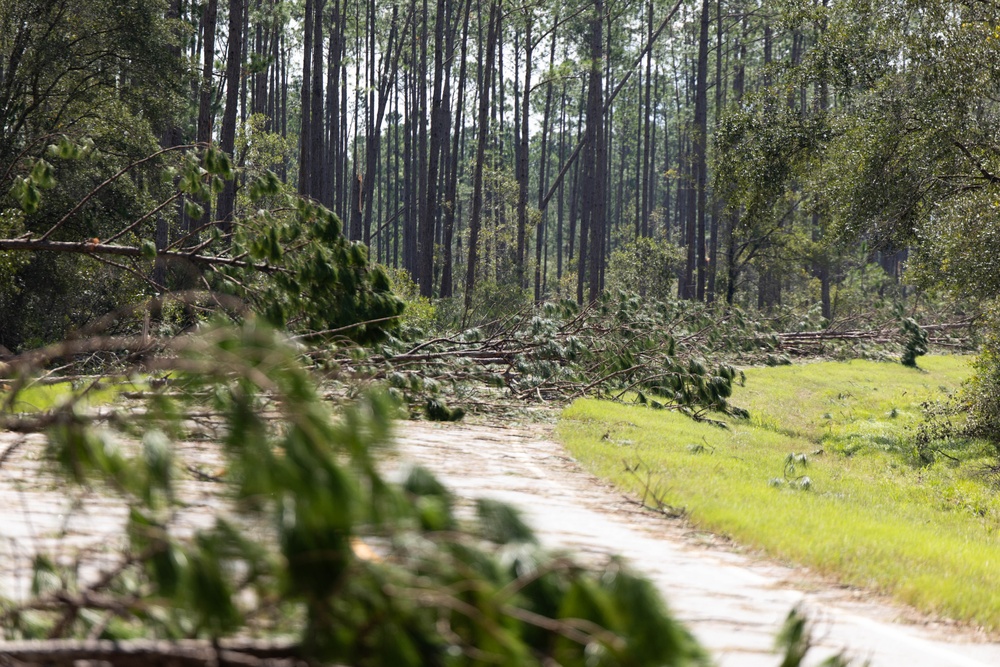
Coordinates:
<point>733,603</point>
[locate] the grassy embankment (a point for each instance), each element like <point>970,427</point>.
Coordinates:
<point>875,514</point>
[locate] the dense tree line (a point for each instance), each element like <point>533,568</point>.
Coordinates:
<point>483,146</point>
<point>496,150</point>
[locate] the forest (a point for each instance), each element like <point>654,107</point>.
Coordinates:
<point>789,156</point>
<point>282,224</point>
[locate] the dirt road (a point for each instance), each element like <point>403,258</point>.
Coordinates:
<point>733,602</point>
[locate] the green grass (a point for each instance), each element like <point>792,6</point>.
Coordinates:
<point>875,516</point>
<point>41,398</point>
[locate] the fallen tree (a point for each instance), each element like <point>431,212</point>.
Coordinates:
<point>309,541</point>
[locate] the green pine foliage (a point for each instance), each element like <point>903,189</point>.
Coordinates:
<point>323,282</point>
<point>915,344</point>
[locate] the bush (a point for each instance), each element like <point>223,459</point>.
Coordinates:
<point>420,313</point>
<point>980,396</point>
<point>646,266</point>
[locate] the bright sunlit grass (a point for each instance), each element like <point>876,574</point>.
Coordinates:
<point>41,398</point>
<point>875,514</point>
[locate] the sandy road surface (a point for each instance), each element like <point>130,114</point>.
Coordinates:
<point>41,513</point>
<point>732,602</point>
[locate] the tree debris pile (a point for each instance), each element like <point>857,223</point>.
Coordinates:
<point>309,546</point>
<point>620,347</point>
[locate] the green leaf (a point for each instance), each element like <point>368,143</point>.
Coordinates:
<point>43,175</point>
<point>158,460</point>
<point>501,523</point>
<point>168,565</point>
<point>148,249</point>
<point>193,210</point>
<point>31,198</point>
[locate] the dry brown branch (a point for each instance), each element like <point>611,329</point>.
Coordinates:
<point>151,653</point>
<point>88,248</point>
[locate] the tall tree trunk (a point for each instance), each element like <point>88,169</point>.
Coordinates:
<point>205,115</point>
<point>717,204</point>
<point>700,140</point>
<point>170,137</point>
<point>209,14</point>
<point>561,203</point>
<point>521,170</point>
<point>438,138</point>
<point>373,134</point>
<point>305,129</point>
<point>227,140</point>
<point>822,265</point>
<point>575,194</point>
<point>316,131</point>
<point>652,177</point>
<point>451,193</point>
<point>667,167</point>
<point>258,103</point>
<point>331,137</point>
<point>485,85</point>
<point>397,200</point>
<point>733,219</point>
<point>244,50</point>
<point>768,285</point>
<point>690,217</point>
<point>424,255</point>
<point>361,228</point>
<point>595,161</point>
<point>647,119</point>
<point>540,240</point>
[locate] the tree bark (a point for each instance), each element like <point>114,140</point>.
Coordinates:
<point>451,193</point>
<point>316,130</point>
<point>521,167</point>
<point>150,653</point>
<point>595,208</point>
<point>227,139</point>
<point>485,85</point>
<point>700,140</point>
<point>438,137</point>
<point>541,237</point>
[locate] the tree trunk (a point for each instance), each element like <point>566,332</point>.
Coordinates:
<point>234,67</point>
<point>485,85</point>
<point>205,115</point>
<point>316,131</point>
<point>451,193</point>
<point>521,167</point>
<point>647,119</point>
<point>561,204</point>
<point>596,159</point>
<point>170,137</point>
<point>700,140</point>
<point>438,137</point>
<point>305,129</point>
<point>540,241</point>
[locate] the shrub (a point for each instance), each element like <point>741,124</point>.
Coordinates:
<point>980,396</point>
<point>646,266</point>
